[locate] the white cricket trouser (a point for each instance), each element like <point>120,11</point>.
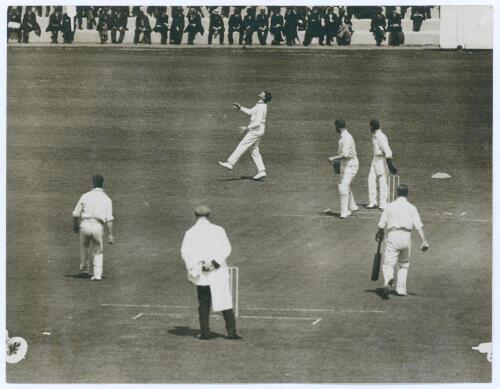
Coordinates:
<point>250,140</point>
<point>348,172</point>
<point>91,232</point>
<point>378,173</point>
<point>397,250</point>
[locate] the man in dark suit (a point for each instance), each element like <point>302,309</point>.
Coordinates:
<point>177,26</point>
<point>68,28</point>
<point>104,24</point>
<point>119,21</point>
<point>249,26</point>
<point>142,26</point>
<point>54,26</point>
<point>277,26</point>
<point>418,16</point>
<point>262,23</point>
<point>216,27</point>
<point>377,27</point>
<point>331,25</point>
<point>290,26</point>
<point>396,35</point>
<point>314,28</point>
<point>29,24</point>
<point>161,25</point>
<point>194,25</point>
<point>235,25</point>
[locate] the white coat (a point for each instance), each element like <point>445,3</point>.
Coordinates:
<point>203,243</point>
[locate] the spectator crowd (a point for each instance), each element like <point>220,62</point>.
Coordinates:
<point>327,24</point>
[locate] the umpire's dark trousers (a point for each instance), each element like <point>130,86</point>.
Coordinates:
<point>205,300</point>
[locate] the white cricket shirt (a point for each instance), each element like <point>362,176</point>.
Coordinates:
<point>400,214</point>
<point>381,145</point>
<point>94,205</point>
<point>257,116</point>
<point>347,147</point>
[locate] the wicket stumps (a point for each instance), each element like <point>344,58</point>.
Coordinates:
<point>234,276</point>
<point>393,185</point>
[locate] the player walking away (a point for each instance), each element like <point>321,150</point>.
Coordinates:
<point>205,249</point>
<point>349,168</point>
<point>255,131</point>
<point>382,157</point>
<point>399,218</point>
<point>92,212</point>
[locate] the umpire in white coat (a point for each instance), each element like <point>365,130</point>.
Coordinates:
<point>205,249</point>
<point>255,131</point>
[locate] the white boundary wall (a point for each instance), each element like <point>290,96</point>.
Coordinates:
<point>468,26</point>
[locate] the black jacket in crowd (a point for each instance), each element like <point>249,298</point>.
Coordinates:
<point>216,23</point>
<point>142,23</point>
<point>262,22</point>
<point>277,22</point>
<point>394,23</point>
<point>194,23</point>
<point>29,23</point>
<point>161,24</point>
<point>378,20</point>
<point>119,20</point>
<point>235,23</point>
<point>55,22</point>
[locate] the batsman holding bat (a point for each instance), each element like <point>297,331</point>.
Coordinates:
<point>399,218</point>
<point>255,131</point>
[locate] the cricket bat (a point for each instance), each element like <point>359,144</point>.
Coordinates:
<point>376,263</point>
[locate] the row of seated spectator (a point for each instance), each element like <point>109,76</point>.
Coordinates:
<point>327,24</point>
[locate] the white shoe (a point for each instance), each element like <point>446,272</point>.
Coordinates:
<point>372,206</point>
<point>227,165</point>
<point>356,208</point>
<point>260,175</point>
<point>95,279</point>
<point>345,215</point>
<point>401,292</point>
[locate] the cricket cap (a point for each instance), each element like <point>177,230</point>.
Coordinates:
<point>202,210</point>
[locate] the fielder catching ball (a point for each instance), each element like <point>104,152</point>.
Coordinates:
<point>255,132</point>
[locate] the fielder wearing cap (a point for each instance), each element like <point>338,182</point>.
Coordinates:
<point>399,218</point>
<point>93,210</point>
<point>349,168</point>
<point>255,132</point>
<point>205,249</point>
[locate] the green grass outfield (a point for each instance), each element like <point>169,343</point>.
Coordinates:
<point>155,123</point>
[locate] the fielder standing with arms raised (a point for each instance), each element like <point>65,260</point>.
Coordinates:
<point>349,168</point>
<point>255,132</point>
<point>92,212</point>
<point>399,218</point>
<point>205,249</point>
<point>382,157</point>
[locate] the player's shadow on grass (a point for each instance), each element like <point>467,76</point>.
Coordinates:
<point>330,213</point>
<point>240,178</point>
<point>82,276</point>
<point>188,331</point>
<point>380,293</point>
